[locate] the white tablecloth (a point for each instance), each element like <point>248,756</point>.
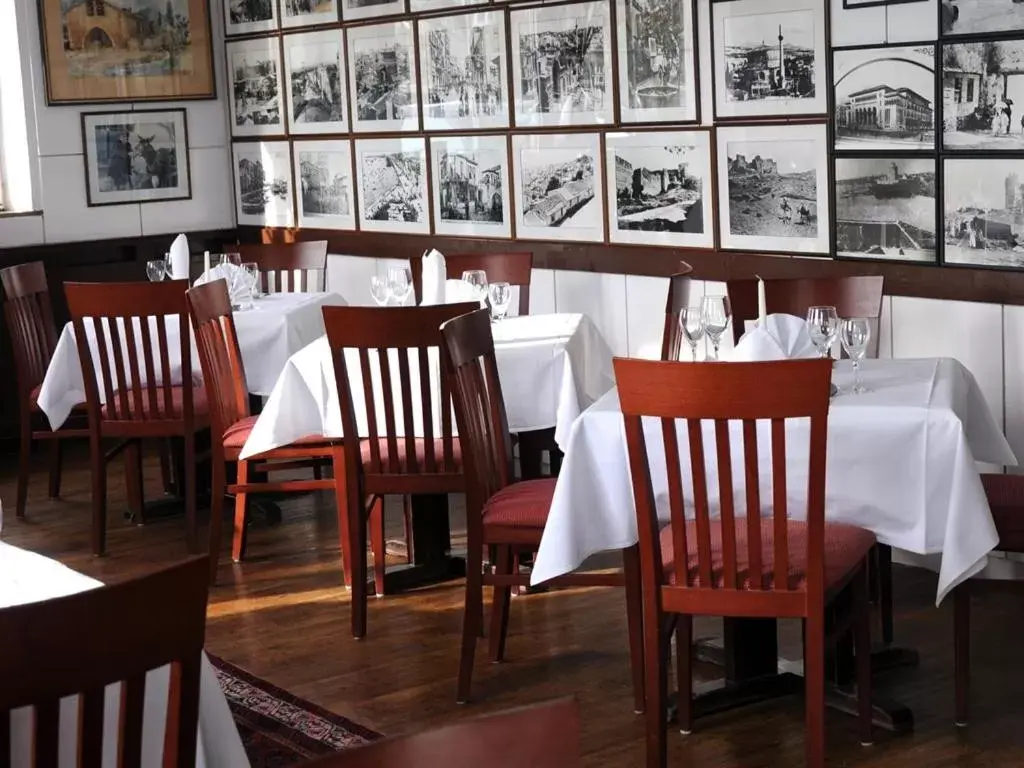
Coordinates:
<point>268,334</point>
<point>26,577</point>
<point>901,462</point>
<point>551,368</point>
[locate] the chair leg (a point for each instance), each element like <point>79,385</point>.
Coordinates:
<point>862,651</point>
<point>341,502</point>
<point>656,686</point>
<point>241,533</point>
<point>962,652</point>
<point>885,591</point>
<point>191,518</point>
<point>133,481</point>
<point>166,478</point>
<point>378,545</point>
<point>55,467</point>
<point>500,605</point>
<point>24,463</point>
<point>635,624</point>
<point>814,682</point>
<point>472,616</point>
<point>357,556</point>
<point>410,553</point>
<point>218,483</point>
<point>684,672</point>
<point>99,496</point>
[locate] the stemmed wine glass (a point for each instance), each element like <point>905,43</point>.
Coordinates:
<point>234,259</point>
<point>823,327</point>
<point>715,312</point>
<point>854,333</point>
<point>501,297</point>
<point>477,280</point>
<point>252,275</point>
<point>379,290</point>
<point>399,283</point>
<point>691,326</point>
<point>156,270</point>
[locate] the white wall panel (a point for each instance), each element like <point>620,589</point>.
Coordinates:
<point>645,315</point>
<point>600,296</point>
<point>212,205</point>
<point>1013,373</point>
<point>16,231</point>
<point>349,277</point>
<point>542,292</point>
<point>66,215</point>
<point>885,329</point>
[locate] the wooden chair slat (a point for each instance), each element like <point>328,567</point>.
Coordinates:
<point>133,701</point>
<point>753,490</point>
<point>390,432</point>
<point>430,464</point>
<point>515,269</point>
<point>702,513</point>
<point>90,728</point>
<point>408,425</point>
<point>167,382</point>
<point>135,373</point>
<point>727,518</point>
<point>103,353</point>
<point>779,511</point>
<point>46,734</point>
<point>147,355</point>
<point>371,407</point>
<point>120,371</point>
<point>677,506</point>
<point>5,739</point>
<point>307,259</point>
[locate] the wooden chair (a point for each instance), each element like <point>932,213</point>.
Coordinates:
<point>515,269</point>
<point>741,566</point>
<point>29,316</point>
<point>131,323</point>
<point>508,517</point>
<point>678,300</point>
<point>382,462</point>
<point>79,644</point>
<point>539,736</point>
<point>231,422</point>
<point>283,260</point>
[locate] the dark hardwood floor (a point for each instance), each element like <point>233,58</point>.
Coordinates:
<point>283,615</point>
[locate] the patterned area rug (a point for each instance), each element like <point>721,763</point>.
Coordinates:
<point>279,729</point>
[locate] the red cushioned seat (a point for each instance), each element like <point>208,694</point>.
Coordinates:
<point>236,435</point>
<point>420,448</point>
<point>521,505</point>
<point>200,406</point>
<point>845,547</point>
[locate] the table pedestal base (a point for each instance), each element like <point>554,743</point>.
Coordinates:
<point>433,561</point>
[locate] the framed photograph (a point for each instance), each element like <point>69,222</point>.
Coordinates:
<point>773,188</point>
<point>352,10</point>
<point>983,201</point>
<point>885,98</point>
<point>562,65</point>
<point>558,187</point>
<point>256,89</point>
<point>392,179</point>
<point>263,183</point>
<point>768,63</point>
<point>657,61</point>
<point>323,179</point>
<point>850,4</point>
<point>308,13</point>
<point>136,157</point>
<point>421,6</point>
<point>247,17</point>
<point>661,189</point>
<point>130,50</point>
<point>380,60</point>
<point>315,78</point>
<point>979,17</point>
<point>463,71</point>
<point>470,178</point>
<point>885,208</point>
<point>983,96</point>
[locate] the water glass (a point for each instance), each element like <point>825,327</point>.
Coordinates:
<point>379,290</point>
<point>251,271</point>
<point>477,280</point>
<point>501,297</point>
<point>854,333</point>
<point>823,327</point>
<point>691,326</point>
<point>156,270</point>
<point>399,283</point>
<point>234,259</point>
<point>715,312</point>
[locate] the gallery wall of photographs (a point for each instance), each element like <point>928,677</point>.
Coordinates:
<point>581,122</point>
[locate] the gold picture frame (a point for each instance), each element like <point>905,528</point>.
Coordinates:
<point>104,51</point>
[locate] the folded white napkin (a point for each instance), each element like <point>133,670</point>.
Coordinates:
<point>179,258</point>
<point>433,278</point>
<point>238,285</point>
<point>778,337</point>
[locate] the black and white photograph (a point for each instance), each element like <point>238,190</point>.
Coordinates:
<point>768,63</point>
<point>308,13</point>
<point>315,78</point>
<point>470,180</point>
<point>983,200</point>
<point>463,73</point>
<point>392,183</point>
<point>557,182</point>
<point>657,62</point>
<point>136,157</point>
<point>562,65</point>
<point>257,95</point>
<point>263,183</point>
<point>978,17</point>
<point>658,188</point>
<point>381,77</point>
<point>885,208</point>
<point>245,17</point>
<point>422,6</point>
<point>885,98</point>
<point>351,10</point>
<point>983,96</point>
<point>773,188</point>
<point>323,183</point>
<point>852,4</point>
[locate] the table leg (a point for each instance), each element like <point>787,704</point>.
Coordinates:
<point>432,559</point>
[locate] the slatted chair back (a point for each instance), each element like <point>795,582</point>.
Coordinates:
<point>678,300</point>
<point>857,296</point>
<point>515,269</point>
<point>295,267</point>
<point>29,315</point>
<point>387,367</point>
<point>539,736</point>
<point>213,323</point>
<point>727,576</point>
<point>79,644</point>
<point>139,331</point>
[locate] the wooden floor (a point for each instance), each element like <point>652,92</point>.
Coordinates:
<point>283,615</point>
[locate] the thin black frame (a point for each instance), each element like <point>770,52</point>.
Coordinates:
<point>876,3</point>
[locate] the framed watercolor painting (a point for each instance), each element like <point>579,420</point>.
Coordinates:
<point>470,178</point>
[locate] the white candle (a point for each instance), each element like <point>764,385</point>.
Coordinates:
<point>206,262</point>
<point>762,302</point>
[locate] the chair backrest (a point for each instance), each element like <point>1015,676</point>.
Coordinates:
<point>700,401</point>
<point>678,300</point>
<point>223,373</point>
<point>29,315</point>
<point>81,643</point>
<point>512,268</point>
<point>133,326</point>
<point>858,296</point>
<point>296,267</point>
<point>389,358</point>
<point>540,736</point>
<point>479,410</point>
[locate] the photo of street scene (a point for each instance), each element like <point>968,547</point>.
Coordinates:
<point>983,95</point>
<point>263,186</point>
<point>314,76</point>
<point>256,87</point>
<point>323,173</point>
<point>470,176</point>
<point>384,93</point>
<point>984,212</point>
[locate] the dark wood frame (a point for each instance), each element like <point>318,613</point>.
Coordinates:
<point>86,144</point>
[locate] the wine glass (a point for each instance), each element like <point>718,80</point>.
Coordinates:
<point>379,290</point>
<point>235,259</point>
<point>691,326</point>
<point>501,297</point>
<point>823,327</point>
<point>854,333</point>
<point>715,312</point>
<point>156,270</point>
<point>477,280</point>
<point>399,283</point>
<point>252,274</point>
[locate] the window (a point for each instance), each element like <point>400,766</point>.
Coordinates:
<point>16,180</point>
<point>970,90</point>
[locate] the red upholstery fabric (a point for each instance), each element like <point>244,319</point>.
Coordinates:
<point>200,406</point>
<point>845,547</point>
<point>421,452</point>
<point>521,505</point>
<point>236,435</point>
